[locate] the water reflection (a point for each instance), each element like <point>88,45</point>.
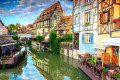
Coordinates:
<point>45,67</point>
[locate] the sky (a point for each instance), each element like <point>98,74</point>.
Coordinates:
<point>26,11</point>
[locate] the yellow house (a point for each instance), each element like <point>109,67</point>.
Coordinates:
<point>48,19</point>
<point>108,47</point>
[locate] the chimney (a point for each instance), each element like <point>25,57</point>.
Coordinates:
<point>63,13</point>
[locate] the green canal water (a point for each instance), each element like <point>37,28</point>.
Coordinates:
<point>44,66</point>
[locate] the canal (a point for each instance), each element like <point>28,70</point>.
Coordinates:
<point>40,65</point>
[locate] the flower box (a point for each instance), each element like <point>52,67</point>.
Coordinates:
<point>87,24</point>
<point>114,21</point>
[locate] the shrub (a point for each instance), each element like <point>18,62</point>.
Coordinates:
<point>28,42</point>
<point>67,37</point>
<point>15,38</point>
<point>55,42</point>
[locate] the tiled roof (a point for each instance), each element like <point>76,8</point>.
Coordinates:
<point>67,19</point>
<point>1,22</point>
<point>30,25</point>
<point>49,11</point>
<point>6,40</point>
<point>45,34</point>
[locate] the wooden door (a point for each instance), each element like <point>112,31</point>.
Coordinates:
<point>115,54</point>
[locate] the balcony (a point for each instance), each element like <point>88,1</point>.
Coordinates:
<point>116,24</point>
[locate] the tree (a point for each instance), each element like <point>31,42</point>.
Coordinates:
<point>40,38</point>
<point>17,25</point>
<point>11,27</point>
<point>55,42</point>
<point>18,44</point>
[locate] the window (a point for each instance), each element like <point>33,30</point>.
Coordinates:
<point>115,51</point>
<point>105,17</point>
<point>87,15</point>
<point>87,37</point>
<point>59,25</point>
<point>76,19</point>
<point>116,1</point>
<point>43,31</point>
<point>76,2</point>
<point>60,32</point>
<point>102,0</point>
<point>87,1</point>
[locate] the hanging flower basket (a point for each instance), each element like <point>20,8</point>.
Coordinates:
<point>115,20</point>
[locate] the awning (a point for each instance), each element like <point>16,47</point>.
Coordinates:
<point>111,41</point>
<point>99,47</point>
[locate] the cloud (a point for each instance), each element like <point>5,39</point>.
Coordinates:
<point>7,2</point>
<point>28,10</point>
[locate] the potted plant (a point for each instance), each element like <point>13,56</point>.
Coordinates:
<point>115,20</point>
<point>87,23</point>
<point>113,75</point>
<point>70,44</point>
<point>79,55</point>
<point>104,69</point>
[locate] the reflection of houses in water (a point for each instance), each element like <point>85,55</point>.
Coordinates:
<point>66,67</point>
<point>13,73</point>
<point>41,64</point>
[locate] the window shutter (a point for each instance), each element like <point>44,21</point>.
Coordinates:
<point>91,17</point>
<point>83,38</point>
<point>109,16</point>
<point>91,38</point>
<point>101,18</point>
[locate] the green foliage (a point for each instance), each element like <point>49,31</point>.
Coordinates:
<point>76,42</point>
<point>17,25</point>
<point>11,27</point>
<point>55,42</point>
<point>28,42</point>
<point>79,55</point>
<point>67,37</point>
<point>40,38</point>
<point>3,65</point>
<point>104,69</point>
<point>93,60</point>
<point>19,43</point>
<point>4,57</point>
<point>13,33</point>
<point>15,38</point>
<point>87,23</point>
<point>52,37</point>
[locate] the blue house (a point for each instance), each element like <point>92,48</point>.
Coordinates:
<point>85,25</point>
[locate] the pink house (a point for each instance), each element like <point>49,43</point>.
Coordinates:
<point>3,28</point>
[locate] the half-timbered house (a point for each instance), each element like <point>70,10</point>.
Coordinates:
<point>109,30</point>
<point>85,25</point>
<point>48,19</point>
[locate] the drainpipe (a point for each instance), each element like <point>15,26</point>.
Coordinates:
<point>72,30</point>
<point>111,18</point>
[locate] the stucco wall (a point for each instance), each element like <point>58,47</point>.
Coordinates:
<point>88,47</point>
<point>75,53</point>
<point>1,29</point>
